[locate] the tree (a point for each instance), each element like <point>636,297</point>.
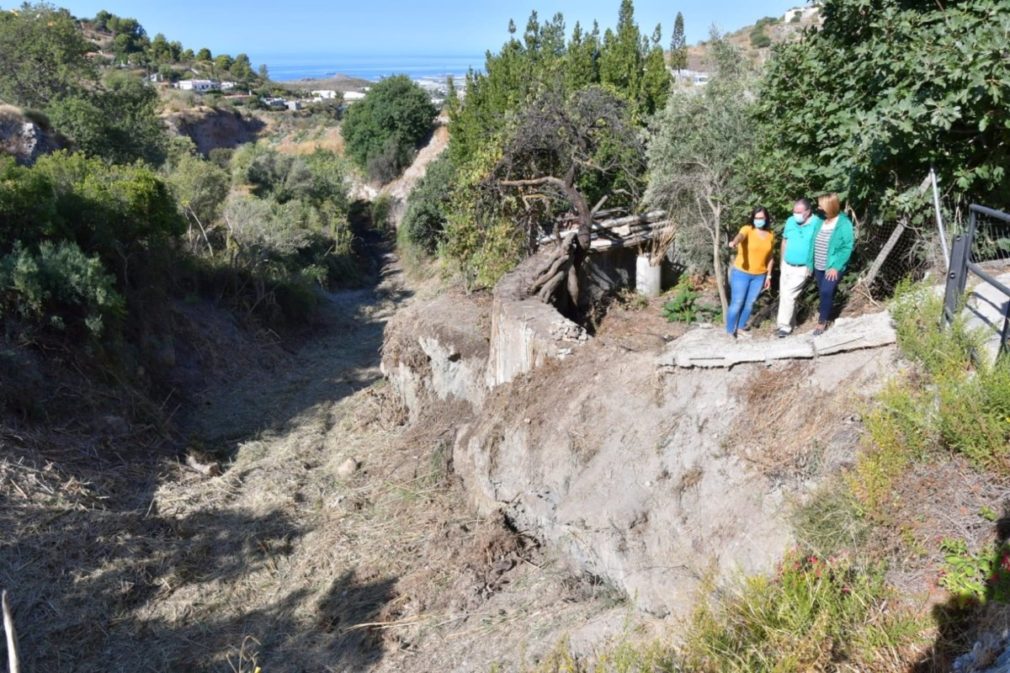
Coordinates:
<point>678,44</point>
<point>889,92</point>
<point>655,78</point>
<point>621,57</point>
<point>222,64</point>
<point>200,188</point>
<point>160,50</point>
<point>102,20</point>
<point>241,69</point>
<point>388,124</point>
<point>129,37</point>
<point>264,73</point>
<point>119,122</point>
<point>204,55</point>
<point>582,67</point>
<point>43,56</point>
<point>570,153</point>
<point>696,153</point>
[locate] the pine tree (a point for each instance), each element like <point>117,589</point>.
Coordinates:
<point>622,54</point>
<point>678,45</point>
<point>451,98</point>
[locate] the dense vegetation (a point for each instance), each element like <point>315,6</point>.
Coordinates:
<point>550,126</point>
<point>98,239</point>
<point>382,131</point>
<point>863,105</point>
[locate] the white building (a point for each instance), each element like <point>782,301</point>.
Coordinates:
<point>803,13</point>
<point>198,85</point>
<point>228,86</point>
<point>325,94</point>
<point>691,77</point>
<point>353,96</point>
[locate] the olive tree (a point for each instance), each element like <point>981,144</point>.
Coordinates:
<point>571,153</point>
<point>696,158</point>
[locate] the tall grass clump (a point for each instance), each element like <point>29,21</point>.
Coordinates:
<point>814,615</point>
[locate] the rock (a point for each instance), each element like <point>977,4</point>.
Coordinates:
<point>211,128</point>
<point>23,138</point>
<point>989,655</point>
<point>348,468</point>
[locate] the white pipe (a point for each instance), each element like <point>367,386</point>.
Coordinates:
<point>939,217</point>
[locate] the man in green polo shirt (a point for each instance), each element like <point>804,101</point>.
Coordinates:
<point>797,237</point>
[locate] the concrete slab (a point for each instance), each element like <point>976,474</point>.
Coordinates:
<point>848,334</point>
<point>710,348</point>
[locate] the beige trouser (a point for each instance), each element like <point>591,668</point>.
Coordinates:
<point>791,280</point>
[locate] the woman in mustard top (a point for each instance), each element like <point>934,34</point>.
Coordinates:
<point>752,270</point>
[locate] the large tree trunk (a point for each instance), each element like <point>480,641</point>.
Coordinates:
<point>558,283</point>
<point>720,272</point>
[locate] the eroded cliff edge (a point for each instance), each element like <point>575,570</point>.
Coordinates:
<point>637,467</point>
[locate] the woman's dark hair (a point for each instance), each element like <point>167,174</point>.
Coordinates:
<point>761,209</point>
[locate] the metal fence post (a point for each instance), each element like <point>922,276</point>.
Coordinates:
<point>957,276</point>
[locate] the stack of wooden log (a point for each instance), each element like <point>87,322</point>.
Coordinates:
<point>622,232</point>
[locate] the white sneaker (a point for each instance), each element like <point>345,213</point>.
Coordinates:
<point>744,334</point>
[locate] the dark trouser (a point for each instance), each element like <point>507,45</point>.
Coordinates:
<point>826,288</point>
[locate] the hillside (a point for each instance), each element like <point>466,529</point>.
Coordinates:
<point>756,41</point>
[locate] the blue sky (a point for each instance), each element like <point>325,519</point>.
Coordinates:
<point>270,27</point>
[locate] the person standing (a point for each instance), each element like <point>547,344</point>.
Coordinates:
<point>833,242</point>
<point>752,270</point>
<point>797,238</point>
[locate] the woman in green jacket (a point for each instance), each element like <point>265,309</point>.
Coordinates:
<point>833,240</point>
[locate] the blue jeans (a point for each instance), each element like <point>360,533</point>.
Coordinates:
<point>826,289</point>
<point>744,290</point>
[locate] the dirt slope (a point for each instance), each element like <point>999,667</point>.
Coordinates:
<point>335,539</point>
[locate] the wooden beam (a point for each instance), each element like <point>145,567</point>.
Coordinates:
<point>885,252</point>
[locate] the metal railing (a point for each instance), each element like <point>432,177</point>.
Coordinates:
<point>963,264</point>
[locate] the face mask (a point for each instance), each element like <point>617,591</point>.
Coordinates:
<point>800,218</point>
<point>760,224</point>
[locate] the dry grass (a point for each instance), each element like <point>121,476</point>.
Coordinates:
<point>328,139</point>
<point>122,559</point>
<point>786,421</point>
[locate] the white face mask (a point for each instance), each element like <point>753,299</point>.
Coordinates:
<point>760,224</point>
<point>800,218</point>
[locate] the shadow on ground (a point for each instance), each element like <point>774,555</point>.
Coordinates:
<point>92,563</point>
<point>965,620</point>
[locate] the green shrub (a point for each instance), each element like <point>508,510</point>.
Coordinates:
<point>382,212</point>
<point>949,400</point>
<point>815,615</point>
<point>975,578</point>
<point>760,39</point>
<point>683,305</point>
<point>59,287</point>
<point>382,131</point>
<point>118,122</point>
<point>424,221</point>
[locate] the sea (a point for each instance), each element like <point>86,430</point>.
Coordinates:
<point>287,67</point>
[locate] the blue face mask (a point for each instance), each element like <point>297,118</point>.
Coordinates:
<point>760,224</point>
<point>800,218</point>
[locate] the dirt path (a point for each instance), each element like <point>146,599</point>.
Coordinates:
<point>335,539</point>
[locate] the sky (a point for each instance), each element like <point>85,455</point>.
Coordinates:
<point>450,27</point>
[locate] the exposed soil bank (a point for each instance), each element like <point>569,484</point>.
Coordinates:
<point>649,476</point>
